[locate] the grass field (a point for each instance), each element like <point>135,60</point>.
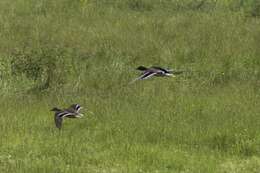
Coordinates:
<point>55,53</point>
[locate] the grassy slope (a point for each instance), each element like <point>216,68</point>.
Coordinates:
<point>206,120</point>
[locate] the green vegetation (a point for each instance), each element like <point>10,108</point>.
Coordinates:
<point>55,53</point>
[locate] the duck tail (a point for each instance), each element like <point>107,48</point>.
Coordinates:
<point>142,68</point>
<point>55,109</point>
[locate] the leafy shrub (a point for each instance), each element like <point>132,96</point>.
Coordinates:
<point>255,10</point>
<point>46,67</point>
<point>140,5</point>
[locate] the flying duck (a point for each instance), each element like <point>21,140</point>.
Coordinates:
<point>71,112</point>
<point>155,71</point>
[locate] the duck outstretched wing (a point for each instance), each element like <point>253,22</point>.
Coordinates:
<point>58,121</point>
<point>145,75</point>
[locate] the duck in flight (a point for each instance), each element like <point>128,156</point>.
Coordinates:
<point>155,71</point>
<point>71,112</point>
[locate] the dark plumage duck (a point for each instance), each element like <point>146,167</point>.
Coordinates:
<point>71,112</point>
<point>155,71</point>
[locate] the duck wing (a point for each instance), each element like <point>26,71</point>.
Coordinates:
<point>160,68</point>
<point>77,108</point>
<point>58,121</point>
<point>67,114</point>
<point>145,75</point>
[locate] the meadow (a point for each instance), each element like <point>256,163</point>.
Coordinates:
<point>55,53</point>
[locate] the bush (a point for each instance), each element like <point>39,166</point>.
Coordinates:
<point>46,66</point>
<point>255,11</point>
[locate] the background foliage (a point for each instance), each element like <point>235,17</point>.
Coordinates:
<point>55,53</point>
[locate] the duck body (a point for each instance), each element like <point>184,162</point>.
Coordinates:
<point>155,71</point>
<point>71,112</point>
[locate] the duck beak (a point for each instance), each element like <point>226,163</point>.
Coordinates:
<point>170,75</point>
<point>80,115</point>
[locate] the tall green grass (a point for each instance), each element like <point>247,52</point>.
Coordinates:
<point>55,53</point>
